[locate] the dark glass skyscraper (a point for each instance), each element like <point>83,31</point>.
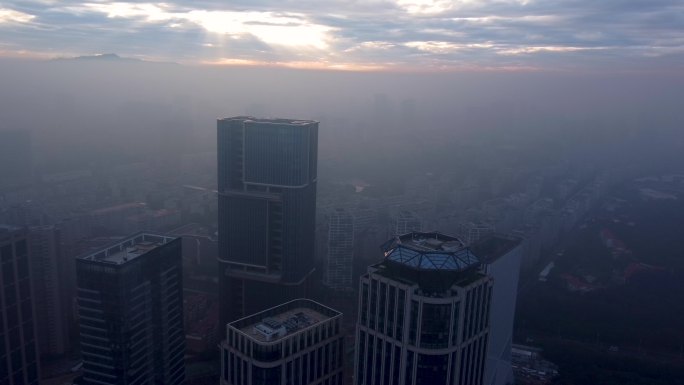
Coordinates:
<point>267,211</point>
<point>130,308</point>
<point>18,349</point>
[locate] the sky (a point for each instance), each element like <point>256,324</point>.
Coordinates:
<point>413,35</point>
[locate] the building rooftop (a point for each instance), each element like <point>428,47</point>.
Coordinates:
<point>429,251</point>
<point>283,320</point>
<point>251,119</point>
<point>127,249</point>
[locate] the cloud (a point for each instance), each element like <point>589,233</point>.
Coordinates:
<point>10,16</point>
<point>273,28</point>
<point>428,6</point>
<point>559,49</point>
<point>357,33</point>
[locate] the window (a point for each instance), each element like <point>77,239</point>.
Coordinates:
<point>413,327</point>
<point>434,328</point>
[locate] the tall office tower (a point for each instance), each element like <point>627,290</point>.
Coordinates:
<point>267,212</point>
<point>423,314</point>
<point>296,343</point>
<point>501,257</point>
<point>16,166</point>
<point>130,307</point>
<point>340,264</point>
<point>406,222</point>
<point>48,278</point>
<point>18,357</point>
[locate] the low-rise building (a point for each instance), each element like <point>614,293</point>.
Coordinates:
<point>296,343</point>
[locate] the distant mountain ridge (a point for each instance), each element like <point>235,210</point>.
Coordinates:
<point>102,56</point>
<point>106,57</point>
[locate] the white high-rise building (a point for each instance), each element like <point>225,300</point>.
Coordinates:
<point>339,263</point>
<point>472,232</point>
<point>406,222</point>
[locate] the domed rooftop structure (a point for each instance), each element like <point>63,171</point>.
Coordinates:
<point>430,252</point>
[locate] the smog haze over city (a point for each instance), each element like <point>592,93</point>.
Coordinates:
<point>544,138</point>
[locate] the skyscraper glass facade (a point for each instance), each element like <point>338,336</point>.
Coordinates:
<point>130,309</point>
<point>18,348</point>
<point>267,205</point>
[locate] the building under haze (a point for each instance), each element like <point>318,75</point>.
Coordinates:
<point>340,259</point>
<point>16,165</point>
<point>406,222</point>
<point>18,347</point>
<point>423,314</point>
<point>49,290</point>
<point>130,308</point>
<point>471,232</point>
<point>298,342</point>
<point>267,211</point>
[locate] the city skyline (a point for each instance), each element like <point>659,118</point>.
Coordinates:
<point>379,35</point>
<point>367,192</point>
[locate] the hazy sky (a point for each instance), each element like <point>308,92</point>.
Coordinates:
<point>358,34</point>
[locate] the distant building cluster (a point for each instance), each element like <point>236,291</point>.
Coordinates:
<point>530,367</point>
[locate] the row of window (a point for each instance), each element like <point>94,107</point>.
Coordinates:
<point>472,363</point>
<point>477,305</point>
<point>380,362</point>
<point>430,325</point>
<point>386,368</point>
<point>386,311</point>
<point>302,369</point>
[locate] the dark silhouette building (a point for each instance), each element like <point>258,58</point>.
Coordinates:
<point>267,212</point>
<point>423,314</point>
<point>18,347</point>
<point>298,342</point>
<point>130,309</point>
